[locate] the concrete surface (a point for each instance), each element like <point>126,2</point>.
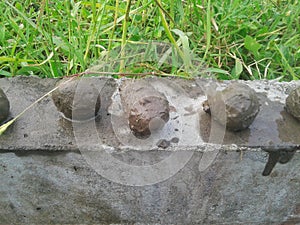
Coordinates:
<point>53,171</point>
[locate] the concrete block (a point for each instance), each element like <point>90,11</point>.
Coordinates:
<point>192,171</point>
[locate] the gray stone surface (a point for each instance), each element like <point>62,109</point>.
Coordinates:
<point>53,171</point>
<point>56,188</point>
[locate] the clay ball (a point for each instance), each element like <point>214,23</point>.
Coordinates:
<point>77,101</point>
<point>147,108</point>
<point>292,103</point>
<point>234,107</point>
<point>148,113</point>
<point>4,106</point>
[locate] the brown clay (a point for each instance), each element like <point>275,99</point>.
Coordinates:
<point>146,108</point>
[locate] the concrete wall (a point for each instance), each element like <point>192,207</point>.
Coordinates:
<point>54,171</point>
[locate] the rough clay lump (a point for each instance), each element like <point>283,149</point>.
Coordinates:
<point>234,107</point>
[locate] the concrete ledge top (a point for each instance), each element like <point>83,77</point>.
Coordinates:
<point>43,127</point>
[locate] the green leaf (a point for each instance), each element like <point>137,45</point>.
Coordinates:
<point>5,73</point>
<point>252,45</point>
<point>2,34</point>
<point>238,66</point>
<point>185,45</point>
<point>238,69</point>
<point>216,70</point>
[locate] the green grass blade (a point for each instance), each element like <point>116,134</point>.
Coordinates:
<point>124,35</point>
<point>208,29</point>
<point>286,63</point>
<point>4,127</point>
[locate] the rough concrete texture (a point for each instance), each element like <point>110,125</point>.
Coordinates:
<point>53,171</point>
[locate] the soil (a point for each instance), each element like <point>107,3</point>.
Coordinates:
<point>146,108</point>
<point>235,107</point>
<point>77,99</point>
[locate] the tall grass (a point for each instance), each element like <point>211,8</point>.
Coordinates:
<point>233,39</point>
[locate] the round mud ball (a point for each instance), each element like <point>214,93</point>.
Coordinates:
<point>234,107</point>
<point>4,107</point>
<point>292,104</point>
<point>148,114</point>
<point>147,109</point>
<point>78,99</point>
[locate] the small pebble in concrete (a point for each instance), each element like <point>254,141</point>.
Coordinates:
<point>163,143</point>
<point>4,107</point>
<point>293,103</point>
<point>235,107</point>
<point>78,99</point>
<point>147,109</point>
<point>175,140</point>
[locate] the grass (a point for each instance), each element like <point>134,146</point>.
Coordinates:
<point>230,39</point>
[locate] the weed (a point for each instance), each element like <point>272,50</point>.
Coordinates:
<point>230,39</point>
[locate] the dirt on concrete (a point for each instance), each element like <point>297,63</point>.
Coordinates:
<point>42,126</point>
<point>41,164</point>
